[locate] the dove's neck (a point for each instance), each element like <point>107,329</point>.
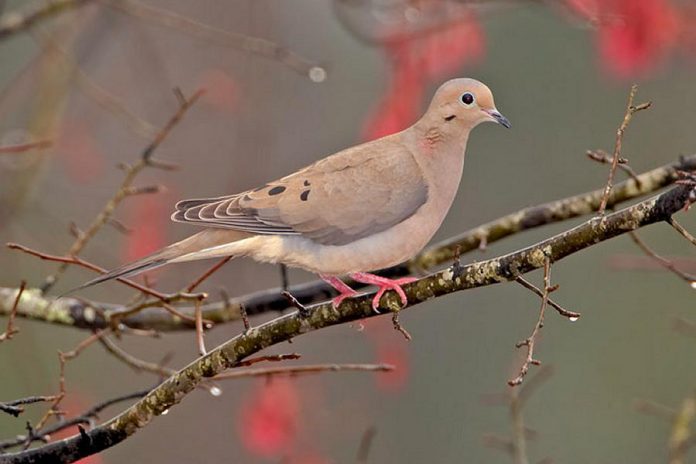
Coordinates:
<point>441,158</point>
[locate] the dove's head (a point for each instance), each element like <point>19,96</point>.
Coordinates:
<point>462,104</point>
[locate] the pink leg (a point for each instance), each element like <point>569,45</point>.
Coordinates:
<point>344,290</point>
<point>383,285</point>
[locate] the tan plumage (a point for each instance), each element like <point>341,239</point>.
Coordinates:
<point>365,208</point>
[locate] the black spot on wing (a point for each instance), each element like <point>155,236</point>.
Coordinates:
<point>276,190</point>
<point>304,195</point>
<point>306,183</point>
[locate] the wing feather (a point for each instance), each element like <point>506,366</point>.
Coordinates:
<point>335,201</point>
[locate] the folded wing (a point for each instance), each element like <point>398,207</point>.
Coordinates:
<point>335,201</point>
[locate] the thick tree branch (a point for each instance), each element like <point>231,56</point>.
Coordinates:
<point>455,278</point>
<point>83,314</point>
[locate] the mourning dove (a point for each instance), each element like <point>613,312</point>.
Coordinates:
<point>362,209</point>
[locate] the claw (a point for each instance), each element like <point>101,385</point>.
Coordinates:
<point>344,290</point>
<point>383,285</point>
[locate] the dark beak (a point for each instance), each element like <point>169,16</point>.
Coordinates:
<point>499,118</point>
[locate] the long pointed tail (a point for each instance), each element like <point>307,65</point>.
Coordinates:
<point>189,246</point>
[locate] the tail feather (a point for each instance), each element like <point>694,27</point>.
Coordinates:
<point>201,241</point>
<point>147,263</point>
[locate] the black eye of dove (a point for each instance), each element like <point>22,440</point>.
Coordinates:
<point>468,98</point>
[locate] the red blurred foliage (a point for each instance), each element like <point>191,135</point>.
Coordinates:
<point>416,62</point>
<point>633,36</point>
<point>636,35</point>
<point>269,420</point>
<point>84,161</point>
<point>147,216</point>
<point>221,90</point>
<point>395,353</point>
<point>75,404</point>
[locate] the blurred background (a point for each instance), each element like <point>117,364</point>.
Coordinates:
<point>96,81</point>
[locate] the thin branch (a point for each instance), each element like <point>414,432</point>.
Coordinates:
<point>15,408</point>
<point>214,268</point>
<point>664,262</point>
<point>24,147</point>
<point>366,445</point>
<point>164,299</point>
<point>684,327</point>
<point>679,228</point>
<point>135,363</point>
<point>572,315</point>
<point>63,358</point>
<point>630,111</point>
<point>603,157</point>
<point>297,370</point>
<point>682,437</point>
<point>12,23</point>
<point>200,342</point>
<point>96,92</point>
<point>261,47</point>
<point>268,358</point>
<point>86,417</point>
<point>515,399</point>
<point>530,342</point>
<point>122,192</point>
<point>284,328</point>
<point>11,330</point>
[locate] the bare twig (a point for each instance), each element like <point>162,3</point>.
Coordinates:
<point>684,327</point>
<point>131,172</point>
<point>63,358</point>
<point>571,315</point>
<point>679,228</point>
<point>15,408</point>
<point>11,330</point>
<point>255,45</point>
<point>667,264</point>
<point>603,157</point>
<point>284,281</point>
<point>164,299</point>
<point>366,444</point>
<point>515,399</point>
<point>135,363</point>
<point>297,370</point>
<point>682,437</point>
<point>630,111</point>
<point>530,341</point>
<point>86,417</point>
<point>96,92</point>
<point>268,358</point>
<point>24,147</point>
<point>12,23</point>
<point>214,268</point>
<point>399,328</point>
<point>295,303</point>
<point>653,408</point>
<point>200,342</point>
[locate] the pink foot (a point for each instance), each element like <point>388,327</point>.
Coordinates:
<point>383,285</point>
<point>344,290</point>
